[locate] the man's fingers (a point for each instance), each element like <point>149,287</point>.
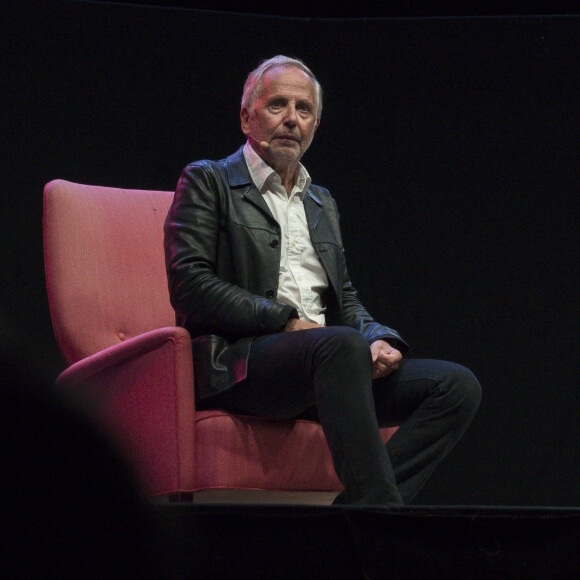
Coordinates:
<point>389,357</point>
<point>382,369</point>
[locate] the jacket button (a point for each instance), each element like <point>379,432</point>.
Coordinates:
<point>274,243</point>
<point>270,294</point>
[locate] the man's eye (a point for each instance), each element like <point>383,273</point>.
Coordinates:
<point>304,107</point>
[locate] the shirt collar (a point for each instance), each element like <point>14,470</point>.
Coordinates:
<point>261,173</point>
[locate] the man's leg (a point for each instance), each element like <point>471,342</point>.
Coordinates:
<point>433,402</point>
<point>331,368</point>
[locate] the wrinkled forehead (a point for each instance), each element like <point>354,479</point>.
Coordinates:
<point>288,81</point>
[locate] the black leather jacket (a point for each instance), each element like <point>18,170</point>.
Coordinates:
<point>222,252</point>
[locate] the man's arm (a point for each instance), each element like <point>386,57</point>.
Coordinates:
<point>385,343</point>
<point>355,315</point>
<point>209,304</point>
<point>351,312</point>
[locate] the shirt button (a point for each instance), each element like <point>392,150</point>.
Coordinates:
<point>270,294</point>
<point>274,243</point>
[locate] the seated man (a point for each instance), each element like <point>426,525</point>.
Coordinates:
<point>257,275</point>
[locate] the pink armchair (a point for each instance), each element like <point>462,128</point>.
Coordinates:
<point>115,326</point>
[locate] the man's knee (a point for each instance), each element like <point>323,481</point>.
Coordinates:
<point>464,388</point>
<point>345,343</point>
<point>343,351</point>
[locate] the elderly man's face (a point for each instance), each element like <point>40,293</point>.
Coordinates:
<point>284,115</point>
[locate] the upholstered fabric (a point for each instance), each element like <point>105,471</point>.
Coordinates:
<point>141,392</point>
<point>105,266</point>
<point>249,452</point>
<point>132,366</point>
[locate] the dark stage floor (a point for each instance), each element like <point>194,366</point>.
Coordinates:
<point>259,541</point>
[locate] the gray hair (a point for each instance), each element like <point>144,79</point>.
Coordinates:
<point>253,85</point>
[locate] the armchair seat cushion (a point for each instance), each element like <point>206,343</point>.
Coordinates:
<point>237,451</point>
<point>256,453</point>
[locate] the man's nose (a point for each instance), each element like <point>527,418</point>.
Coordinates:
<point>290,118</point>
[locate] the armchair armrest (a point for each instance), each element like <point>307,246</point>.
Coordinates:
<point>141,392</point>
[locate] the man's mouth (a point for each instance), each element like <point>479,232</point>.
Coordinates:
<point>288,138</point>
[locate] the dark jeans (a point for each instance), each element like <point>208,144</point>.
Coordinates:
<point>325,374</point>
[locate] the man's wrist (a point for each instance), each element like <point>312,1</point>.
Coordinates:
<point>293,314</point>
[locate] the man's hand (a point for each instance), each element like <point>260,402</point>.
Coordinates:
<point>297,324</point>
<point>385,358</point>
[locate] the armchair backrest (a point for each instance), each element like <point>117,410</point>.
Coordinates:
<point>105,267</point>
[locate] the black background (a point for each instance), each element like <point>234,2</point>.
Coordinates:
<point>450,144</point>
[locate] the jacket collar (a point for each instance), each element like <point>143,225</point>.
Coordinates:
<point>239,178</point>
<point>239,175</point>
<point>237,170</point>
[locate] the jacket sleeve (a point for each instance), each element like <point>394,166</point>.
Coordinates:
<point>355,315</point>
<point>205,303</point>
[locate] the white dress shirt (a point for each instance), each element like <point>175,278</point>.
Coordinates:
<point>302,278</point>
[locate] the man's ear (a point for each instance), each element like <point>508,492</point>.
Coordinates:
<point>245,120</point>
